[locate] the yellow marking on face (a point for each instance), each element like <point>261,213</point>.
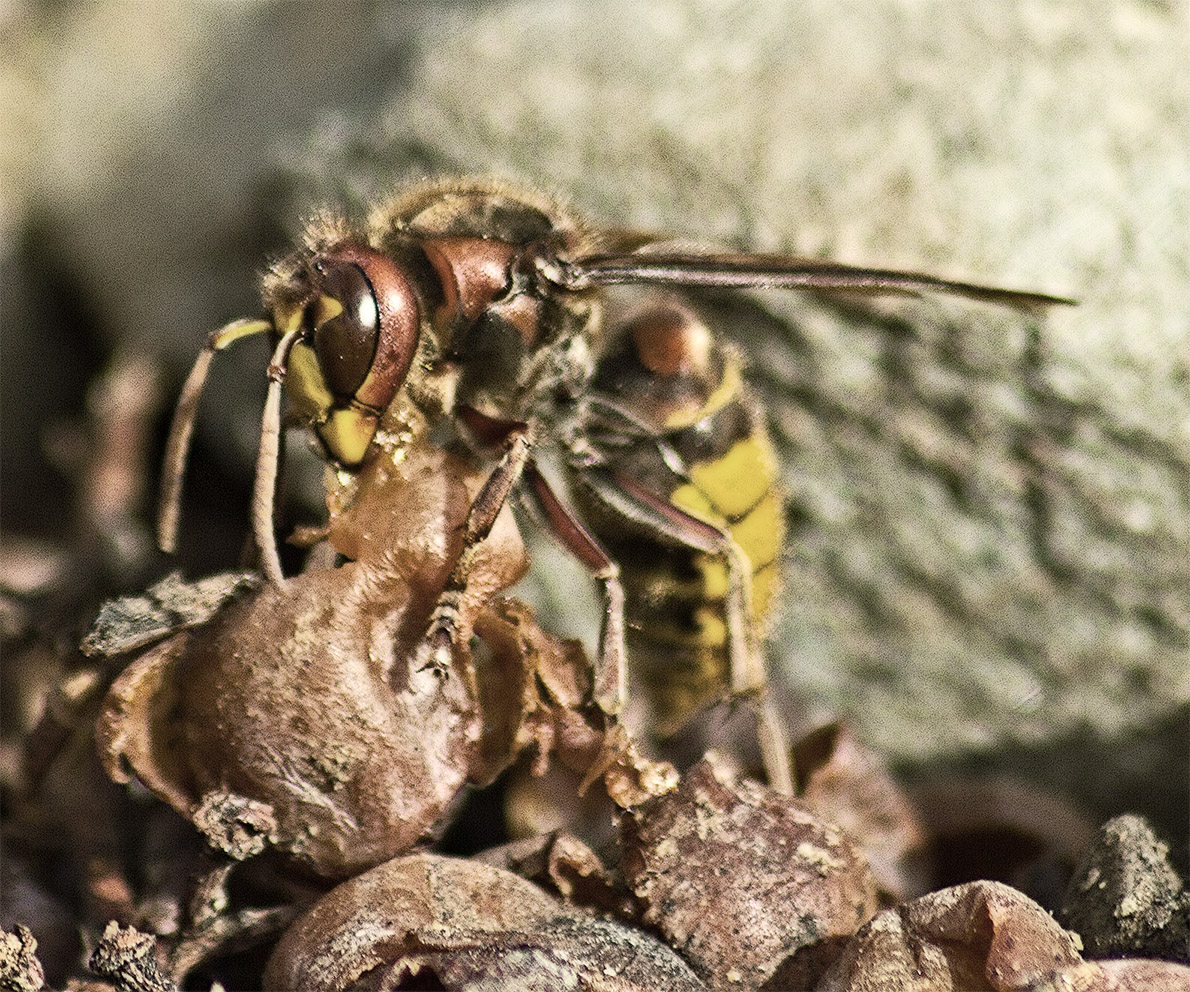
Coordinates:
<point>323,309</point>
<point>307,388</point>
<point>287,320</point>
<point>347,434</point>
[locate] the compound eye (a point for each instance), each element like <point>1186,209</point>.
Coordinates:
<point>346,326</point>
<point>363,325</point>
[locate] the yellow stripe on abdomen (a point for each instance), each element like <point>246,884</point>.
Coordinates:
<point>737,492</point>
<point>680,619</point>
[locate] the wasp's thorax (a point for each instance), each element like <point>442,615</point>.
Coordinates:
<point>440,294</point>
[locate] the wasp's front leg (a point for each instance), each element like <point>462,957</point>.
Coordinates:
<point>445,627</point>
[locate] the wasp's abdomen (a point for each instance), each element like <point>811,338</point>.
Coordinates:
<point>698,444</point>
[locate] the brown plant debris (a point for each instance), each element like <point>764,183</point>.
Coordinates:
<point>563,865</point>
<point>128,958</point>
<point>744,882</point>
<point>166,607</point>
<point>977,937</point>
<point>20,970</point>
<point>1126,975</point>
<point>584,953</point>
<point>433,922</point>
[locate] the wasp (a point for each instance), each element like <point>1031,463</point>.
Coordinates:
<point>484,306</point>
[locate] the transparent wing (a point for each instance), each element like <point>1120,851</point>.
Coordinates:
<point>656,263</point>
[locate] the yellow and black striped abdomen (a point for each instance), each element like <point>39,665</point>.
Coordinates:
<point>707,455</point>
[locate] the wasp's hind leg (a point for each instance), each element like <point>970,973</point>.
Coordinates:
<point>746,668</point>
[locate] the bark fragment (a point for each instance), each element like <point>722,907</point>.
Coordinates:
<point>745,882</point>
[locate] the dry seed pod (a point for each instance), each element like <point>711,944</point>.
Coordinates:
<point>453,924</point>
<point>305,700</point>
<point>745,882</point>
<point>977,937</point>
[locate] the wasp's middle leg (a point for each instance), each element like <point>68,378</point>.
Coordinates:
<point>610,681</point>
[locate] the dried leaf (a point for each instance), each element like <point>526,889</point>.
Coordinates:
<point>138,732</point>
<point>372,919</point>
